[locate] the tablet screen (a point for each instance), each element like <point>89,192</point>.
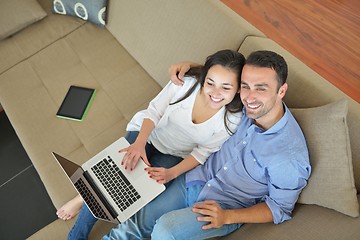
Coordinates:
<point>76,103</point>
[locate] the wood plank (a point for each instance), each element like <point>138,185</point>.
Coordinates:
<point>324,34</point>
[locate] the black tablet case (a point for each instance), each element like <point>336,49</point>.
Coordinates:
<point>76,103</point>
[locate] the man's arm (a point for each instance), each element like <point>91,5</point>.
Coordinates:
<point>217,217</point>
<point>177,71</point>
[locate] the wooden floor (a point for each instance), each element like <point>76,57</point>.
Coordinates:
<point>324,34</point>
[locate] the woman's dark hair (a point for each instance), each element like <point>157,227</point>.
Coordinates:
<point>229,59</point>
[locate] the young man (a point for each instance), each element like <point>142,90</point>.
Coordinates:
<point>255,177</point>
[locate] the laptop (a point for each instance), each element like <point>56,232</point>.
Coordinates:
<point>111,193</point>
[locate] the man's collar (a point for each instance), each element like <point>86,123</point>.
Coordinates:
<point>281,123</point>
<point>276,127</point>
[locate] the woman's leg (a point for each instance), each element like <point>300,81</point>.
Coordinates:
<point>70,209</point>
<point>156,158</point>
<point>83,225</point>
<point>131,136</point>
<point>86,220</point>
<point>159,159</point>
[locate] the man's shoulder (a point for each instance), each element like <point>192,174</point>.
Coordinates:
<point>293,126</point>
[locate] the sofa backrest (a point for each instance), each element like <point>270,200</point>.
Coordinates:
<point>158,33</point>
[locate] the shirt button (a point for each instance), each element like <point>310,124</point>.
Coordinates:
<point>225,168</point>
<point>244,142</point>
<point>209,185</point>
<point>254,160</point>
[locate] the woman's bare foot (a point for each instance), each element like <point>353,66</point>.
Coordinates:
<point>70,209</point>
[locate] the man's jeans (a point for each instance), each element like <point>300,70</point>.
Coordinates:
<point>169,216</point>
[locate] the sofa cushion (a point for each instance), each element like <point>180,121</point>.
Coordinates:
<point>18,14</point>
<point>331,183</point>
<point>88,10</point>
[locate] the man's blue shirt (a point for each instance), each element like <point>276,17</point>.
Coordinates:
<point>257,166</point>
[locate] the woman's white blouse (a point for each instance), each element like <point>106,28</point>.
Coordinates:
<point>174,131</point>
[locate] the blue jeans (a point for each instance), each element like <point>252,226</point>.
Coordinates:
<point>86,220</point>
<point>83,225</point>
<point>169,216</point>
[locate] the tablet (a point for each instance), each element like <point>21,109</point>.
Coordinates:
<point>76,103</point>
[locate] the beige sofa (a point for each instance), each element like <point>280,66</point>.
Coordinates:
<point>127,63</point>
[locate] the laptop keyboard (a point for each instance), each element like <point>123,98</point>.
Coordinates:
<point>90,200</point>
<point>115,183</point>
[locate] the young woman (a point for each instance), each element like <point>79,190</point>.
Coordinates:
<point>189,121</point>
<point>184,124</point>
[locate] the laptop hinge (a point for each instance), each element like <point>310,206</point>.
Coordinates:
<point>100,195</point>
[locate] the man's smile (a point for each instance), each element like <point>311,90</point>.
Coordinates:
<point>253,106</point>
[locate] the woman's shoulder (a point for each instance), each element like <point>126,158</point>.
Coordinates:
<point>181,90</point>
<point>189,81</point>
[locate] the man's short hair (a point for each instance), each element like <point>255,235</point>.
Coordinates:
<point>271,60</point>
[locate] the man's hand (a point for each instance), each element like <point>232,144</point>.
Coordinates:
<point>177,72</point>
<point>212,213</point>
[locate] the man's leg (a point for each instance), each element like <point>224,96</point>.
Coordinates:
<point>83,224</point>
<point>141,224</point>
<point>183,224</point>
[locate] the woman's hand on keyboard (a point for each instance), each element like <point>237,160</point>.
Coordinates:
<point>133,153</point>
